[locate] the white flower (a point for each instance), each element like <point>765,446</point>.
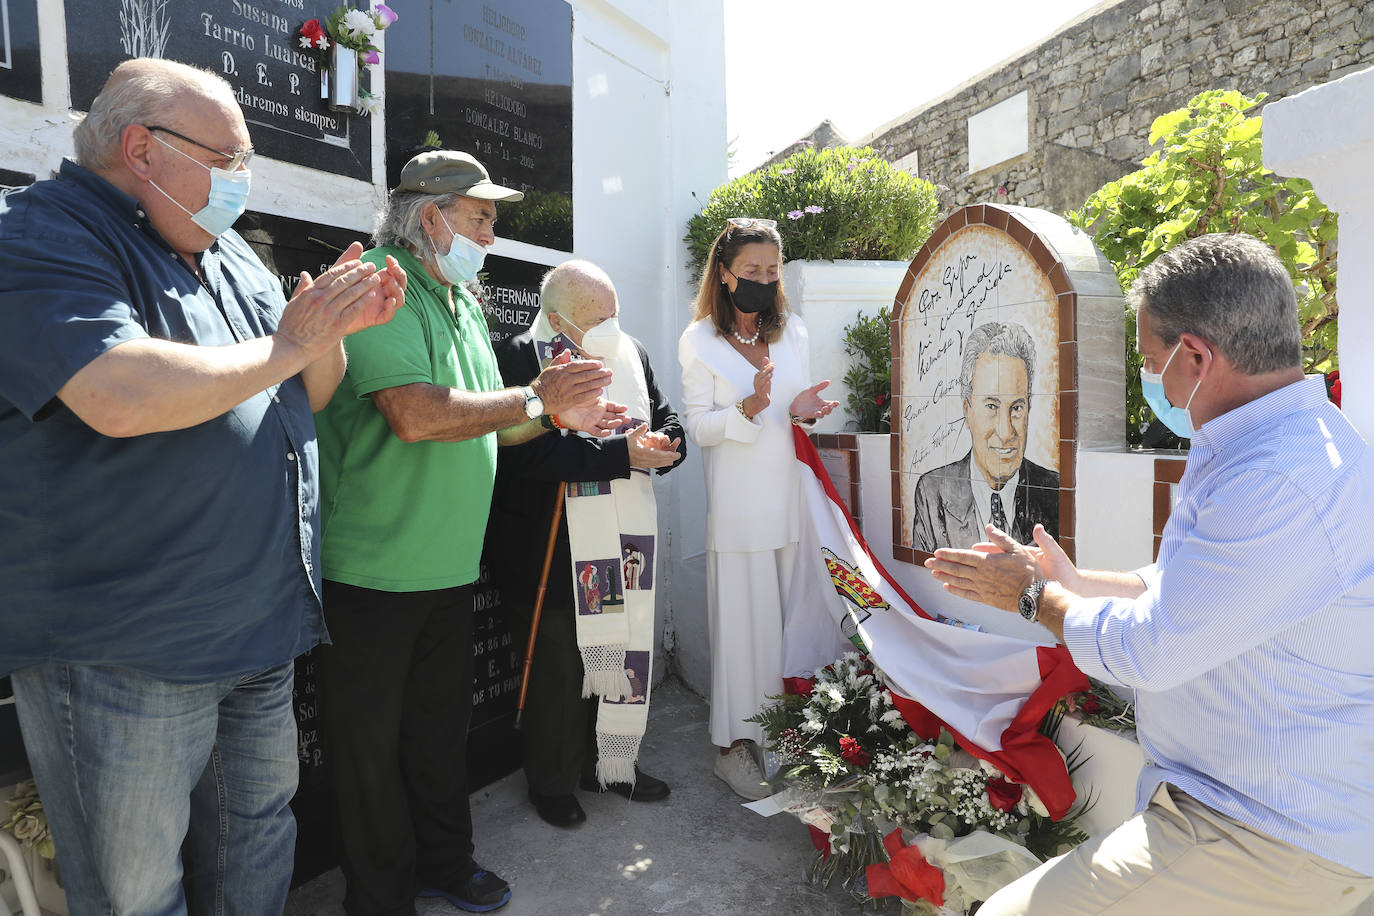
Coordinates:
<point>322,43</point>
<point>306,42</point>
<point>359,24</point>
<point>371,104</point>
<point>1031,799</point>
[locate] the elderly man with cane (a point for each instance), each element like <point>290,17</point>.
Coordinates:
<point>593,641</point>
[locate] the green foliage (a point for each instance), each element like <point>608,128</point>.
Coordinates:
<point>869,342</point>
<point>833,204</point>
<point>542,218</point>
<point>1208,176</point>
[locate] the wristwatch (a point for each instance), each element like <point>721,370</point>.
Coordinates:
<point>1029,603</point>
<point>533,406</point>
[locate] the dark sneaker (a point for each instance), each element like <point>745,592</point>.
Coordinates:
<point>644,788</point>
<point>480,893</point>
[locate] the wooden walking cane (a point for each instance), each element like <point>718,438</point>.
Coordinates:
<point>539,599</point>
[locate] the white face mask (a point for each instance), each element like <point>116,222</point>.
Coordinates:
<point>463,259</point>
<point>228,196</point>
<point>602,340</point>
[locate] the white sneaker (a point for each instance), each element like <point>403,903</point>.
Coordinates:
<point>741,772</point>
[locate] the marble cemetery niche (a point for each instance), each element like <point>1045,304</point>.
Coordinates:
<point>252,45</point>
<point>1008,355</point>
<point>493,79</point>
<point>21,74</point>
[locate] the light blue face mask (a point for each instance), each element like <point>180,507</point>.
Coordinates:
<point>463,260</point>
<point>1179,421</point>
<point>228,196</point>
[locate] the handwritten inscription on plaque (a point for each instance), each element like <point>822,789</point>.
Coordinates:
<point>251,43</point>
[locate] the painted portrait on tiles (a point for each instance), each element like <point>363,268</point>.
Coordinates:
<point>978,394</point>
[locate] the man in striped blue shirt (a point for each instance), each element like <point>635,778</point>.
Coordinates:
<point>1248,643</point>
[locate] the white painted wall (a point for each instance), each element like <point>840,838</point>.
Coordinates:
<point>1326,135</point>
<point>829,295</point>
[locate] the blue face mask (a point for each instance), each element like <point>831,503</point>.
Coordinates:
<point>1179,421</point>
<point>228,196</point>
<point>463,260</point>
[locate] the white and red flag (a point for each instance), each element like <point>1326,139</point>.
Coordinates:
<point>989,691</point>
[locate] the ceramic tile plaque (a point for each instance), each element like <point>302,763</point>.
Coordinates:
<point>985,378</point>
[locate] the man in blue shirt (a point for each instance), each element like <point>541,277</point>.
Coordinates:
<point>1248,642</point>
<point>159,531</point>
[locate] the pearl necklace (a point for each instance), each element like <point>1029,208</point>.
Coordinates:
<point>747,341</point>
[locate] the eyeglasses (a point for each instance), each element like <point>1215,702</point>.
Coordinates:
<point>745,222</point>
<point>237,158</point>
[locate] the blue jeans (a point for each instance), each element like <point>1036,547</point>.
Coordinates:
<point>127,764</point>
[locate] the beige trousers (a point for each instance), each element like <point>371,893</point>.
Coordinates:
<point>1179,857</point>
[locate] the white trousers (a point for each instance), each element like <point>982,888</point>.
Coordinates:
<point>747,592</point>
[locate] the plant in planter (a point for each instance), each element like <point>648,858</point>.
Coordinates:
<point>834,204</point>
<point>869,380</point>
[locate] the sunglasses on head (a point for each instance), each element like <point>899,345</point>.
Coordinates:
<point>746,222</point>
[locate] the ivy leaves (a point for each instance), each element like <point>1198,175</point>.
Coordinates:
<point>1208,176</point>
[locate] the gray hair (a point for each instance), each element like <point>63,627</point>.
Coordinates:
<point>399,223</point>
<point>1229,289</point>
<point>997,338</point>
<point>139,91</point>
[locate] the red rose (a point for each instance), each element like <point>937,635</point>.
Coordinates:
<point>312,29</point>
<point>1002,794</point>
<point>1333,386</point>
<point>1091,705</point>
<point>852,752</point>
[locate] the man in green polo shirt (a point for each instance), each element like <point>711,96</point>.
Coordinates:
<point>407,465</point>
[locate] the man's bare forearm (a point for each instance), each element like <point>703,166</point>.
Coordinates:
<point>149,385</point>
<point>1105,583</point>
<point>323,376</point>
<point>421,412</point>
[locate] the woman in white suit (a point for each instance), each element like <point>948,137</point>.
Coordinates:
<point>745,381</point>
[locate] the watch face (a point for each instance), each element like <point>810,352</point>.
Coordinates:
<point>1027,605</point>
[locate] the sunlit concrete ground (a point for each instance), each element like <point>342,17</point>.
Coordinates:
<point>698,852</point>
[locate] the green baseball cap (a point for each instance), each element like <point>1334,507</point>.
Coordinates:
<point>446,171</point>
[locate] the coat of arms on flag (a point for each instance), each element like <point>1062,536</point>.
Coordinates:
<point>852,586</point>
<point>989,691</point>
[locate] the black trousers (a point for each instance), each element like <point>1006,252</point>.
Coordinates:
<point>396,698</point>
<point>558,726</point>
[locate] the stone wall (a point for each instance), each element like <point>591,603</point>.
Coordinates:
<point>1097,84</point>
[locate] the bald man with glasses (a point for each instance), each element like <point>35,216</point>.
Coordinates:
<point>159,510</point>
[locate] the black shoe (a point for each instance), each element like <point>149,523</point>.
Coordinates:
<point>481,892</point>
<point>645,787</point>
<point>559,810</point>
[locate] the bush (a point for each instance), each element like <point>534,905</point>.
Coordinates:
<point>869,379</point>
<point>833,204</point>
<point>1208,176</point>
